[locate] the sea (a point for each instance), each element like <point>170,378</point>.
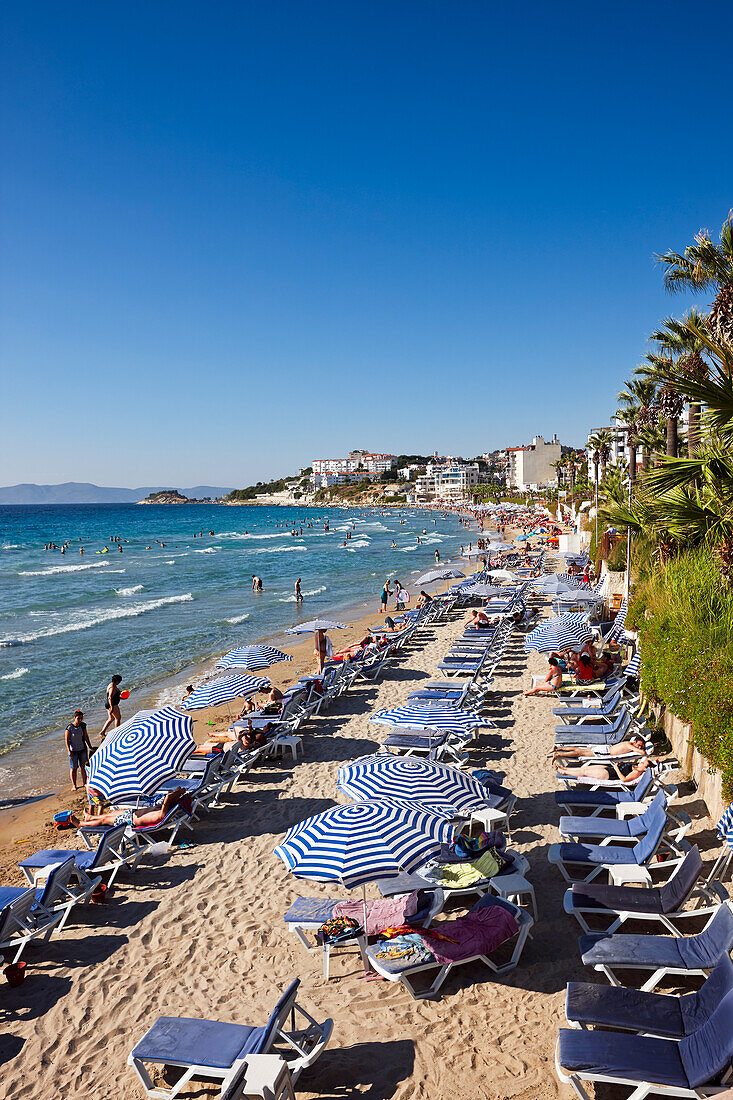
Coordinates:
<point>176,591</point>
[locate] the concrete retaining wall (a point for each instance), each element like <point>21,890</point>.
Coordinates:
<point>708,781</point>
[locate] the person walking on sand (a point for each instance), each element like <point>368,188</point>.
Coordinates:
<point>78,746</point>
<point>112,705</point>
<point>298,592</point>
<point>386,593</point>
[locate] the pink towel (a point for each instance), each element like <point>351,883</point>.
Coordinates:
<point>386,913</point>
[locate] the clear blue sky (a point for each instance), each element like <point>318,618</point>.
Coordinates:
<point>235,235</point>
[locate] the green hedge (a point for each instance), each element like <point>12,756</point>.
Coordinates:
<point>684,615</point>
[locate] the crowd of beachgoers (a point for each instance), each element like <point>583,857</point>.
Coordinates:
<point>390,812</point>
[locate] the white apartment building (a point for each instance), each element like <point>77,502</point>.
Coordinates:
<point>366,462</point>
<point>531,466</point>
<point>448,482</point>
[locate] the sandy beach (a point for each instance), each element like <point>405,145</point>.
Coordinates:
<point>200,933</point>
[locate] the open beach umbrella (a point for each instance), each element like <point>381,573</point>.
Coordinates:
<point>430,716</point>
<point>439,575</point>
<point>501,547</point>
<point>316,625</point>
<point>224,689</point>
<point>482,589</point>
<point>502,575</point>
<point>564,632</point>
<point>550,586</point>
<point>578,595</point>
<point>358,843</point>
<point>384,775</point>
<point>142,753</point>
<point>253,657</point>
<point>475,554</point>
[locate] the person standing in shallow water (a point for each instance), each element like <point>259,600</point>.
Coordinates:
<point>298,592</point>
<point>112,705</point>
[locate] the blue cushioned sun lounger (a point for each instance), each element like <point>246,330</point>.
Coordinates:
<point>588,1005</point>
<point>212,1051</point>
<point>696,1066</point>
<point>113,853</point>
<point>662,955</point>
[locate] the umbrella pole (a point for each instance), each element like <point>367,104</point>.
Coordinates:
<point>363,901</point>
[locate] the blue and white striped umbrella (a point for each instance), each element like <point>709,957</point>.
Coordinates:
<point>438,575</point>
<point>634,666</point>
<point>725,827</point>
<point>358,843</point>
<point>253,657</point>
<point>316,625</point>
<point>224,689</point>
<point>564,632</point>
<point>142,753</point>
<point>402,777</point>
<point>430,716</point>
<point>550,586</point>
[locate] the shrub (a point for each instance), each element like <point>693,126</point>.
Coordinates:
<point>684,614</point>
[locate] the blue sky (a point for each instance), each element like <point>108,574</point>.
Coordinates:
<point>237,235</point>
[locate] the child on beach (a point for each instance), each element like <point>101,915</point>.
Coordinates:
<point>78,746</point>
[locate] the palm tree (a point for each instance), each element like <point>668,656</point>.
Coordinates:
<point>681,347</point>
<point>705,265</point>
<point>600,442</point>
<point>637,408</point>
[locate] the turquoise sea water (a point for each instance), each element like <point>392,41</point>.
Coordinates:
<point>68,622</point>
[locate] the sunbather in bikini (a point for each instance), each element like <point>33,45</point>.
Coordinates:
<point>623,769</point>
<point>248,738</point>
<point>635,743</point>
<point>152,815</point>
<point>550,684</point>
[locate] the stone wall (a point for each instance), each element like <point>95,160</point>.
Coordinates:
<point>707,780</point>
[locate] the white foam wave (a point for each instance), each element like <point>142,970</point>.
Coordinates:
<point>61,569</point>
<point>129,591</point>
<point>281,550</point>
<point>406,549</point>
<point>10,546</point>
<point>16,675</point>
<point>312,592</point>
<point>84,620</point>
<point>172,561</point>
<point>237,619</point>
<point>245,535</point>
<point>208,550</point>
<point>356,544</point>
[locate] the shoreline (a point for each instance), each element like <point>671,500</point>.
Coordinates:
<point>25,820</point>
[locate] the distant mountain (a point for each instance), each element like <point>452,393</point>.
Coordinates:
<point>82,492</point>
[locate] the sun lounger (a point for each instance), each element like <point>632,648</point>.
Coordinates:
<point>660,904</point>
<point>604,801</point>
<point>113,853</point>
<point>695,1067</point>
<point>438,746</point>
<point>594,1005</point>
<point>585,861</point>
<point>308,914</point>
<point>22,920</point>
<point>67,885</point>
<point>491,923</point>
<point>608,733</point>
<point>630,823</point>
<point>582,714</point>
<point>662,955</point>
<point>209,1050</point>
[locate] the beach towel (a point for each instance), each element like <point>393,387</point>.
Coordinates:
<point>480,932</point>
<point>459,876</point>
<point>381,913</point>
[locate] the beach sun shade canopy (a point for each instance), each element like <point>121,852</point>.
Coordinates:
<point>315,625</point>
<point>551,587</point>
<point>363,841</point>
<point>439,575</point>
<point>477,553</point>
<point>430,716</point>
<point>407,777</point>
<point>142,753</point>
<point>483,590</point>
<point>253,657</point>
<point>563,632</point>
<point>501,546</point>
<point>224,689</point>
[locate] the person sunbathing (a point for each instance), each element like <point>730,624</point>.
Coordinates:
<point>624,770</point>
<point>273,703</point>
<point>151,815</point>
<point>635,743</point>
<point>248,738</point>
<point>550,684</point>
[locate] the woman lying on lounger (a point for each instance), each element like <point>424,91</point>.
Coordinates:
<point>248,738</point>
<point>635,743</point>
<point>624,770</point>
<point>151,815</point>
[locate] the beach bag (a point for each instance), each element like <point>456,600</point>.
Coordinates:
<point>339,928</point>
